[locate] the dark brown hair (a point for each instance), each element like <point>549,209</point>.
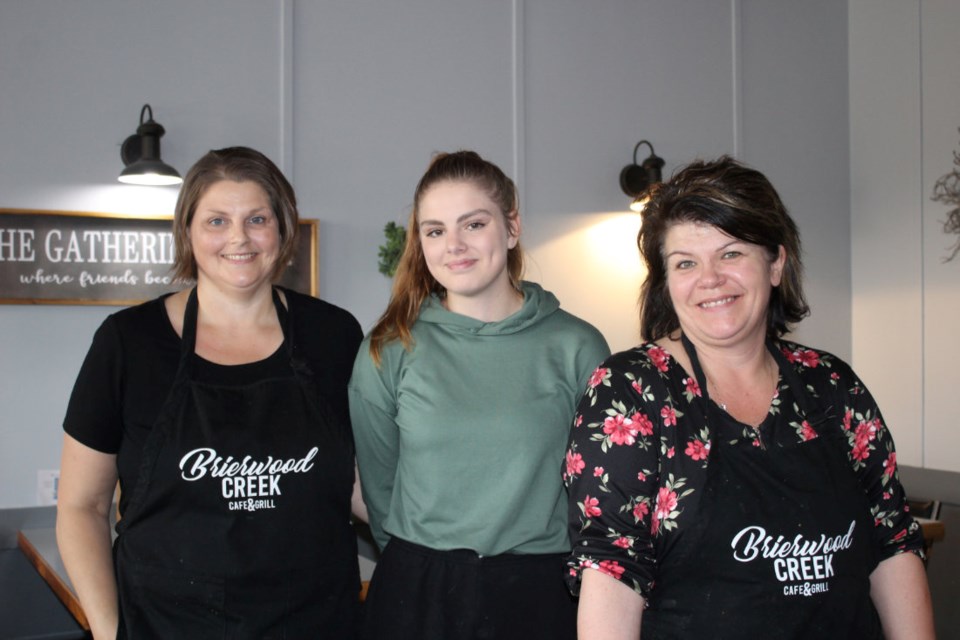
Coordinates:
<point>742,203</point>
<point>240,164</point>
<point>413,283</point>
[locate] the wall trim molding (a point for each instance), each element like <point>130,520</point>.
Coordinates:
<point>519,105</point>
<point>286,88</point>
<point>736,75</point>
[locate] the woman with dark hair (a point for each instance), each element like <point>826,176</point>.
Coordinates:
<point>461,398</point>
<point>222,410</point>
<point>724,482</point>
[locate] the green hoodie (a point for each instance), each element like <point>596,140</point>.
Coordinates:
<point>460,440</point>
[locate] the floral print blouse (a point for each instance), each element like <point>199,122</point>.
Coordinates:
<point>636,463</point>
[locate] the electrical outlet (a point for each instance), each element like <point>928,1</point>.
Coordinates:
<point>48,484</point>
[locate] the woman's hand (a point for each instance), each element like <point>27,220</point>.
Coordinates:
<point>357,505</point>
<point>87,481</point>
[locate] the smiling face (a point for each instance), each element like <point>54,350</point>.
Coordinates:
<point>465,239</point>
<point>719,285</point>
<point>235,236</point>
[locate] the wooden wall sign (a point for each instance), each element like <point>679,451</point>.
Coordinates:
<point>70,257</point>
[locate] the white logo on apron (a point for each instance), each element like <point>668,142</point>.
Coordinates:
<point>799,561</point>
<point>248,484</point>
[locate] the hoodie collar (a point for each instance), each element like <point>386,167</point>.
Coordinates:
<point>537,305</point>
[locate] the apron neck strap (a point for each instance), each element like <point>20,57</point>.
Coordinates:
<point>188,337</point>
<point>815,415</point>
<point>695,363</point>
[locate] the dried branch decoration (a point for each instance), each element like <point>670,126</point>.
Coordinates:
<point>947,191</point>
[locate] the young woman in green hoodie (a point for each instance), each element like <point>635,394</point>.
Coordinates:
<point>461,399</point>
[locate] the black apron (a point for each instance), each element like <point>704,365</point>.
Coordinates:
<point>783,544</point>
<point>238,525</point>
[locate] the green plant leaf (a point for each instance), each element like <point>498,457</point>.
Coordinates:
<point>390,252</point>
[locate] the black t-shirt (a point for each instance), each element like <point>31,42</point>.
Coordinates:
<point>131,365</point>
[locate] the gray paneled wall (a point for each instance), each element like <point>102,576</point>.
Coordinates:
<point>352,98</point>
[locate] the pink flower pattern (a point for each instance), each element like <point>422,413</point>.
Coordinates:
<point>640,511</point>
<point>666,502</point>
<point>611,568</point>
<point>597,377</point>
<point>697,450</point>
<point>890,464</point>
<point>806,357</point>
<point>575,464</point>
<point>590,508</point>
<point>659,357</point>
<point>669,415</point>
<point>642,423</point>
<point>621,429</point>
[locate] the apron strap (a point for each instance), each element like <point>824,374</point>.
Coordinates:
<point>695,363</point>
<point>815,415</point>
<point>285,315</point>
<point>188,337</point>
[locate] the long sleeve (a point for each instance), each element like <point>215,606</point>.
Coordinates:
<point>872,454</point>
<point>874,459</point>
<point>377,437</point>
<point>612,472</point>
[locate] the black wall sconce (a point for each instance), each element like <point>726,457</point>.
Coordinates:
<point>141,155</point>
<point>635,178</point>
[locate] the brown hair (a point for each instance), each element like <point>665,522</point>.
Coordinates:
<point>239,164</point>
<point>413,283</point>
<point>742,203</point>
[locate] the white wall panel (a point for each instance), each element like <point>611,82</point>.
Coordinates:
<point>940,80</point>
<point>905,111</point>
<point>796,131</point>
<point>886,201</point>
